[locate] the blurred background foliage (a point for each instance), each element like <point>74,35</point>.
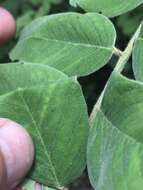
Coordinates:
<point>25,11</point>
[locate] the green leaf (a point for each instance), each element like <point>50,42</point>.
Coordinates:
<point>115,146</point>
<point>76,44</point>
<point>30,185</point>
<point>133,18</point>
<point>15,75</point>
<point>52,108</point>
<point>109,8</point>
<point>123,59</point>
<point>138,58</point>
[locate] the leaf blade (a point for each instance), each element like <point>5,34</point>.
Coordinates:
<point>54,113</point>
<point>70,42</point>
<point>110,8</point>
<point>115,146</point>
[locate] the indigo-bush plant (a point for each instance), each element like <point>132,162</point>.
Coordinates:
<point>40,90</point>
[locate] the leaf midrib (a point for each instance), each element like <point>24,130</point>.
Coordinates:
<point>68,42</point>
<point>42,141</point>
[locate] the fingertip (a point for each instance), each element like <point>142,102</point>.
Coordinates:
<point>7,26</point>
<point>17,149</point>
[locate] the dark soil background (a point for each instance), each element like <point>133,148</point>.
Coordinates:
<point>26,10</point>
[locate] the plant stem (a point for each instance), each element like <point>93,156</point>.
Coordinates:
<point>127,52</point>
<point>117,52</point>
<point>62,188</point>
<point>124,57</point>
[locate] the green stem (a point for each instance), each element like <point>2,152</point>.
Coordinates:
<point>117,52</point>
<point>124,57</point>
<point>63,188</point>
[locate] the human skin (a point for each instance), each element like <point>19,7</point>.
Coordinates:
<point>7,26</point>
<point>16,153</point>
<point>16,147</point>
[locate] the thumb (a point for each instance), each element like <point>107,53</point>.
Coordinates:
<point>17,153</point>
